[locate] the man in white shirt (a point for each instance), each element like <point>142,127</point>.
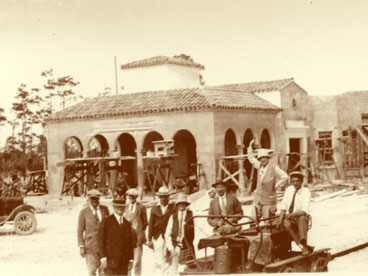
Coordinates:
<point>179,233</point>
<point>294,216</point>
<point>270,177</point>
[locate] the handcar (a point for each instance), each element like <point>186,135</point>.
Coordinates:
<point>255,249</point>
<point>13,210</point>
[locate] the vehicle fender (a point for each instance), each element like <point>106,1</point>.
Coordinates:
<point>21,208</point>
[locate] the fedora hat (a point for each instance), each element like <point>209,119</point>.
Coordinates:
<point>94,193</point>
<point>297,174</point>
<point>132,192</point>
<point>163,191</point>
<point>218,182</point>
<point>263,153</point>
<point>119,201</point>
<point>182,198</point>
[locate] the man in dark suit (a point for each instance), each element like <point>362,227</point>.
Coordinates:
<point>136,214</point>
<point>224,204</point>
<point>116,241</point>
<point>88,223</point>
<point>159,218</point>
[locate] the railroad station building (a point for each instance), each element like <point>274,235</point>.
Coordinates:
<point>164,100</point>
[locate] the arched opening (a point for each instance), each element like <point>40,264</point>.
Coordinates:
<point>147,143</point>
<point>98,146</point>
<point>248,136</point>
<point>265,139</point>
<point>128,147</point>
<point>230,143</point>
<point>185,163</point>
<point>73,148</point>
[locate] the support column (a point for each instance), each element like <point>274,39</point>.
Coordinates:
<point>241,169</point>
<point>140,171</point>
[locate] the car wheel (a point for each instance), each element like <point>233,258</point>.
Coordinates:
<point>25,223</point>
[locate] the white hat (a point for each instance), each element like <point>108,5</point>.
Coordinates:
<point>182,198</point>
<point>94,193</point>
<point>132,192</point>
<point>263,153</point>
<point>163,191</point>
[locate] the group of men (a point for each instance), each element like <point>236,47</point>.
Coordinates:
<point>115,242</point>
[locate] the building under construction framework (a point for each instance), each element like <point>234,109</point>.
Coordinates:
<point>179,129</point>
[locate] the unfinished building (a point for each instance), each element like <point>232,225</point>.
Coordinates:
<point>106,138</point>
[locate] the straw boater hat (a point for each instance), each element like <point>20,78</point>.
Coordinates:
<point>218,182</point>
<point>163,191</point>
<point>264,153</point>
<point>132,192</point>
<point>119,201</point>
<point>182,198</point>
<point>94,193</point>
<point>297,174</point>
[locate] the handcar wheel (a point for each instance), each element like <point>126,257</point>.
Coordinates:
<point>319,265</point>
<point>25,223</point>
<point>286,269</point>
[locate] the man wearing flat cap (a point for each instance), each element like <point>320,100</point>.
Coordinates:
<point>116,241</point>
<point>294,216</point>
<point>179,235</point>
<point>269,178</point>
<point>159,218</point>
<point>88,224</point>
<point>136,214</point>
<point>224,204</point>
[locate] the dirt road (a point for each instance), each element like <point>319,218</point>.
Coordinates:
<point>52,249</point>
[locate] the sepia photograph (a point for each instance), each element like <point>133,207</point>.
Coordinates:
<point>183,137</point>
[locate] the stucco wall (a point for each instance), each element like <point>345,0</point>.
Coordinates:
<point>159,77</point>
<point>199,124</point>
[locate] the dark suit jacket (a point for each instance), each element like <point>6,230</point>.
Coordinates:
<point>116,242</point>
<point>88,228</point>
<point>139,223</point>
<point>158,221</point>
<point>233,207</point>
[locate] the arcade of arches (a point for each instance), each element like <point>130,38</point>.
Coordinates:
<point>184,164</point>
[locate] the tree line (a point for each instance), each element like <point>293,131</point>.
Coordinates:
<point>26,148</point>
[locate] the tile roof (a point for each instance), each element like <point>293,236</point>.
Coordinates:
<point>163,101</point>
<point>256,87</point>
<point>162,60</point>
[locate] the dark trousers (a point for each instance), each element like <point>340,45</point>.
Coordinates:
<point>116,271</point>
<point>297,228</point>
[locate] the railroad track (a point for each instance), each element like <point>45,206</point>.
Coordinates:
<point>348,251</point>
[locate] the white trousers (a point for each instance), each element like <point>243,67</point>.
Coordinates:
<point>159,249</point>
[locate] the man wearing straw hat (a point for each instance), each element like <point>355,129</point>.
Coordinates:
<point>88,223</point>
<point>179,235</point>
<point>269,178</point>
<point>136,213</point>
<point>159,218</point>
<point>116,241</point>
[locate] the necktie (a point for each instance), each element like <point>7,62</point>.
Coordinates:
<point>291,208</point>
<point>223,207</point>
<point>96,215</point>
<point>181,225</point>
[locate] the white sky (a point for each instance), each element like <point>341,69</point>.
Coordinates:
<point>322,44</point>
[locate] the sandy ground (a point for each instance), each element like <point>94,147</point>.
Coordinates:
<point>338,223</point>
